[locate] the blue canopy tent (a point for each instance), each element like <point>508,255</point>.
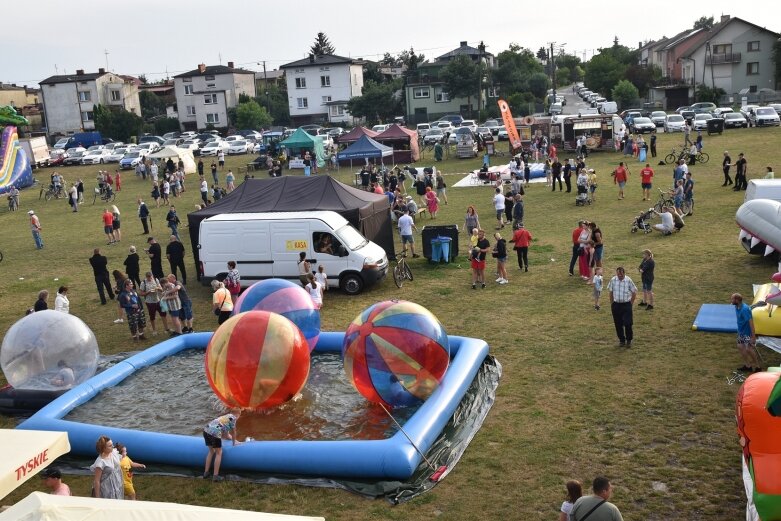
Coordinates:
<point>365,148</point>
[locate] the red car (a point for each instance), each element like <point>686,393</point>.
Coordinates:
<point>57,157</point>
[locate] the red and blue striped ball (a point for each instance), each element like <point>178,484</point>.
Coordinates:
<point>257,360</point>
<point>286,298</point>
<point>396,353</point>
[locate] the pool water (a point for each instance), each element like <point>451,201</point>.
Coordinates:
<point>174,397</point>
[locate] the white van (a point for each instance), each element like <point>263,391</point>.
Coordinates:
<point>764,189</point>
<point>608,107</point>
<point>267,245</point>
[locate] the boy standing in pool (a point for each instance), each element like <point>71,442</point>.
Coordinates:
<point>215,431</point>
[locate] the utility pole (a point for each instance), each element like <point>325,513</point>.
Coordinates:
<point>105,51</point>
<point>552,63</point>
<point>265,88</point>
<point>481,51</point>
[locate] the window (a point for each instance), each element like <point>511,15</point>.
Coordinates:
<point>440,95</point>
<point>188,90</point>
<point>337,110</point>
<point>85,95</point>
<point>326,99</point>
<point>752,88</point>
<point>325,68</point>
<point>187,80</point>
<point>300,83</point>
<point>722,49</point>
<point>210,85</point>
<point>209,78</point>
<point>87,115</point>
<point>299,70</point>
<point>213,118</point>
<point>190,110</point>
<point>115,95</point>
<point>325,81</point>
<point>752,46</point>
<point>326,243</point>
<point>210,99</point>
<point>421,92</point>
<point>493,92</point>
<point>303,103</point>
<point>752,69</point>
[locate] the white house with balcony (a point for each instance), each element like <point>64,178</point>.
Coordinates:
<point>204,95</point>
<point>69,100</point>
<point>319,88</point>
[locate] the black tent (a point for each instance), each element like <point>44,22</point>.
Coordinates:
<point>367,212</point>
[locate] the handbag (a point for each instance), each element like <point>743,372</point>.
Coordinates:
<point>219,310</point>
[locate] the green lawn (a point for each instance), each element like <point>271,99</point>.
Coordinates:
<point>658,419</point>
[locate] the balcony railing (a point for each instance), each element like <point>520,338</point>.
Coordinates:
<point>718,59</point>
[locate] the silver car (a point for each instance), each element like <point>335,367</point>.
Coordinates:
<point>658,117</point>
<point>674,123</point>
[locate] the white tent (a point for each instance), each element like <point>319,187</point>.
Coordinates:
<point>176,154</point>
<point>43,507</point>
<point>25,453</point>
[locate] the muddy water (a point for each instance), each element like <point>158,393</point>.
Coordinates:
<point>174,397</point>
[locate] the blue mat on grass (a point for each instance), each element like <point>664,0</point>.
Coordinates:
<point>717,318</point>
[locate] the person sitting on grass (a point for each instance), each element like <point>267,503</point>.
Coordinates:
<point>668,224</point>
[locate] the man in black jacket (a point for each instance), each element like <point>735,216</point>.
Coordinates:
<point>156,256</point>
<point>143,214</point>
<point>174,252</point>
<point>99,263</point>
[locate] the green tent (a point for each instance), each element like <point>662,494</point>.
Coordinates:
<point>300,140</point>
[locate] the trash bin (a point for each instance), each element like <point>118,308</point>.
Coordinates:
<point>445,249</point>
<point>436,249</point>
<point>715,126</point>
<point>431,232</point>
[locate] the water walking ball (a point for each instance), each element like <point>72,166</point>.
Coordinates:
<point>287,299</point>
<point>257,360</point>
<point>396,353</point>
<point>48,350</point>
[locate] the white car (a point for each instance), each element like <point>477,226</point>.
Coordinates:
<point>96,147</point>
<point>190,144</point>
<point>445,126</point>
<point>658,117</point>
<point>150,146</point>
<point>735,120</point>
<point>234,137</point>
<point>238,146</point>
<point>722,111</point>
<point>115,155</point>
<point>380,128</point>
<point>764,117</point>
<point>94,157</point>
<point>470,123</point>
<point>113,145</point>
<point>212,148</point>
<point>131,159</point>
<point>674,123</point>
<point>62,143</point>
<point>502,135</point>
<point>434,135</point>
<point>643,125</point>
<point>701,120</point>
<point>422,128</point>
<point>188,134</point>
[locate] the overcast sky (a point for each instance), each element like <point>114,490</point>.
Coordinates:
<point>162,38</point>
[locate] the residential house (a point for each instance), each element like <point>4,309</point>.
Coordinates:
<point>16,96</point>
<point>319,88</point>
<point>263,78</point>
<point>204,94</point>
<point>69,100</point>
<point>165,91</point>
<point>426,93</point>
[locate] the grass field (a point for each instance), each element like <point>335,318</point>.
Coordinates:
<point>658,419</point>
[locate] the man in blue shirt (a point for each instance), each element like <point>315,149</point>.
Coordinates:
<point>747,340</point>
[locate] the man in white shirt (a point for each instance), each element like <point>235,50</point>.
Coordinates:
<point>204,191</point>
<point>499,207</point>
<point>406,225</point>
<point>667,225</point>
<point>622,296</point>
<point>153,171</point>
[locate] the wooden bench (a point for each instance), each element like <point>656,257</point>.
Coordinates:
<point>420,213</point>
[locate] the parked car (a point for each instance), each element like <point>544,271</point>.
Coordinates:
<point>701,107</point>
<point>454,119</point>
<point>596,102</point>
<point>188,134</point>
<point>630,115</point>
<point>150,146</point>
<point>764,117</point>
<point>74,157</point>
<point>380,128</point>
<point>681,109</point>
<point>460,134</point>
<point>701,120</point>
<point>94,157</point>
<point>115,155</point>
<point>174,142</point>
<point>62,142</point>
<point>254,134</point>
<point>131,159</point>
<point>171,135</point>
<point>434,135</point>
<point>658,117</point>
<point>502,134</point>
<point>674,123</point>
<point>148,138</point>
<point>688,115</point>
<point>422,128</point>
<point>746,111</point>
<point>212,148</point>
<point>492,125</point>
<point>470,123</point>
<point>735,120</point>
<point>238,146</point>
<point>333,132</point>
<point>484,132</point>
<point>113,145</point>
<point>233,137</point>
<point>192,145</point>
<point>555,109</point>
<point>446,126</point>
<point>776,107</point>
<point>721,111</point>
<point>642,125</point>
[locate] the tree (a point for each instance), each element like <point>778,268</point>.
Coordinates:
<point>117,123</point>
<point>538,84</point>
<point>603,72</point>
<point>250,115</point>
<point>625,93</point>
<point>705,93</point>
<point>411,59</point>
<point>378,102</point>
<point>151,104</point>
<point>322,46</point>
<point>165,125</point>
<point>515,67</point>
<point>461,77</point>
<point>275,99</point>
<point>371,72</point>
<point>704,23</point>
<point>542,54</point>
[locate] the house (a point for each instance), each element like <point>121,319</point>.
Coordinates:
<point>16,96</point>
<point>263,78</point>
<point>426,94</point>
<point>319,88</point>
<point>166,93</point>
<point>204,94</point>
<point>69,100</point>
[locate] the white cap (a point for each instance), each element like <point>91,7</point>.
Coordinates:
<point>31,212</point>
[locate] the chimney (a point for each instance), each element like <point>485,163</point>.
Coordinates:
<point>639,45</point>
<point>311,58</point>
<point>463,44</point>
<point>724,18</point>
<point>101,71</point>
<point>201,68</point>
<point>79,72</point>
<point>230,65</point>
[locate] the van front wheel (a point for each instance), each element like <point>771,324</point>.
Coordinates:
<point>352,284</point>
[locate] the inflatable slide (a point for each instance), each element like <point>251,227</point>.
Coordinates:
<point>14,164</point>
<point>760,231</point>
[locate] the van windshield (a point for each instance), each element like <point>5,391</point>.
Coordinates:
<point>351,237</point>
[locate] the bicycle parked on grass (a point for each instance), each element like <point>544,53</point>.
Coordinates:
<point>401,270</point>
<point>674,156</point>
<point>666,199</point>
<point>51,192</point>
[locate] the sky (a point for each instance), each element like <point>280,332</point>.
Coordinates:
<point>161,38</point>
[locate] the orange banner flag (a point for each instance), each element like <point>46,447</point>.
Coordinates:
<point>509,124</point>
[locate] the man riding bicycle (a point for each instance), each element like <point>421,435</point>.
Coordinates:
<point>13,198</point>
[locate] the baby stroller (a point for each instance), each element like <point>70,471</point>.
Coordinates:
<point>641,221</point>
<point>582,198</point>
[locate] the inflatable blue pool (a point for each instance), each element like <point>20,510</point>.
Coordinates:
<point>391,458</point>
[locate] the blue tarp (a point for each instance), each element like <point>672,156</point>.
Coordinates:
<point>364,148</point>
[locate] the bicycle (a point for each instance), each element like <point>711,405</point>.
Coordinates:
<point>401,270</point>
<point>13,202</point>
<point>51,192</point>
<point>105,193</point>
<point>674,156</point>
<point>665,199</point>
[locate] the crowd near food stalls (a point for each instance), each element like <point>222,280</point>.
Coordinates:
<point>367,212</point>
<point>301,142</point>
<point>23,454</point>
<point>176,154</point>
<point>365,148</point>
<point>404,143</point>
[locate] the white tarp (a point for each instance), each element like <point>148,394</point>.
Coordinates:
<point>44,507</point>
<point>176,153</point>
<point>25,453</point>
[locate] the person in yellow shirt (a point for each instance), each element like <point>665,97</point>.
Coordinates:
<point>127,465</point>
<point>222,303</point>
<point>592,183</point>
